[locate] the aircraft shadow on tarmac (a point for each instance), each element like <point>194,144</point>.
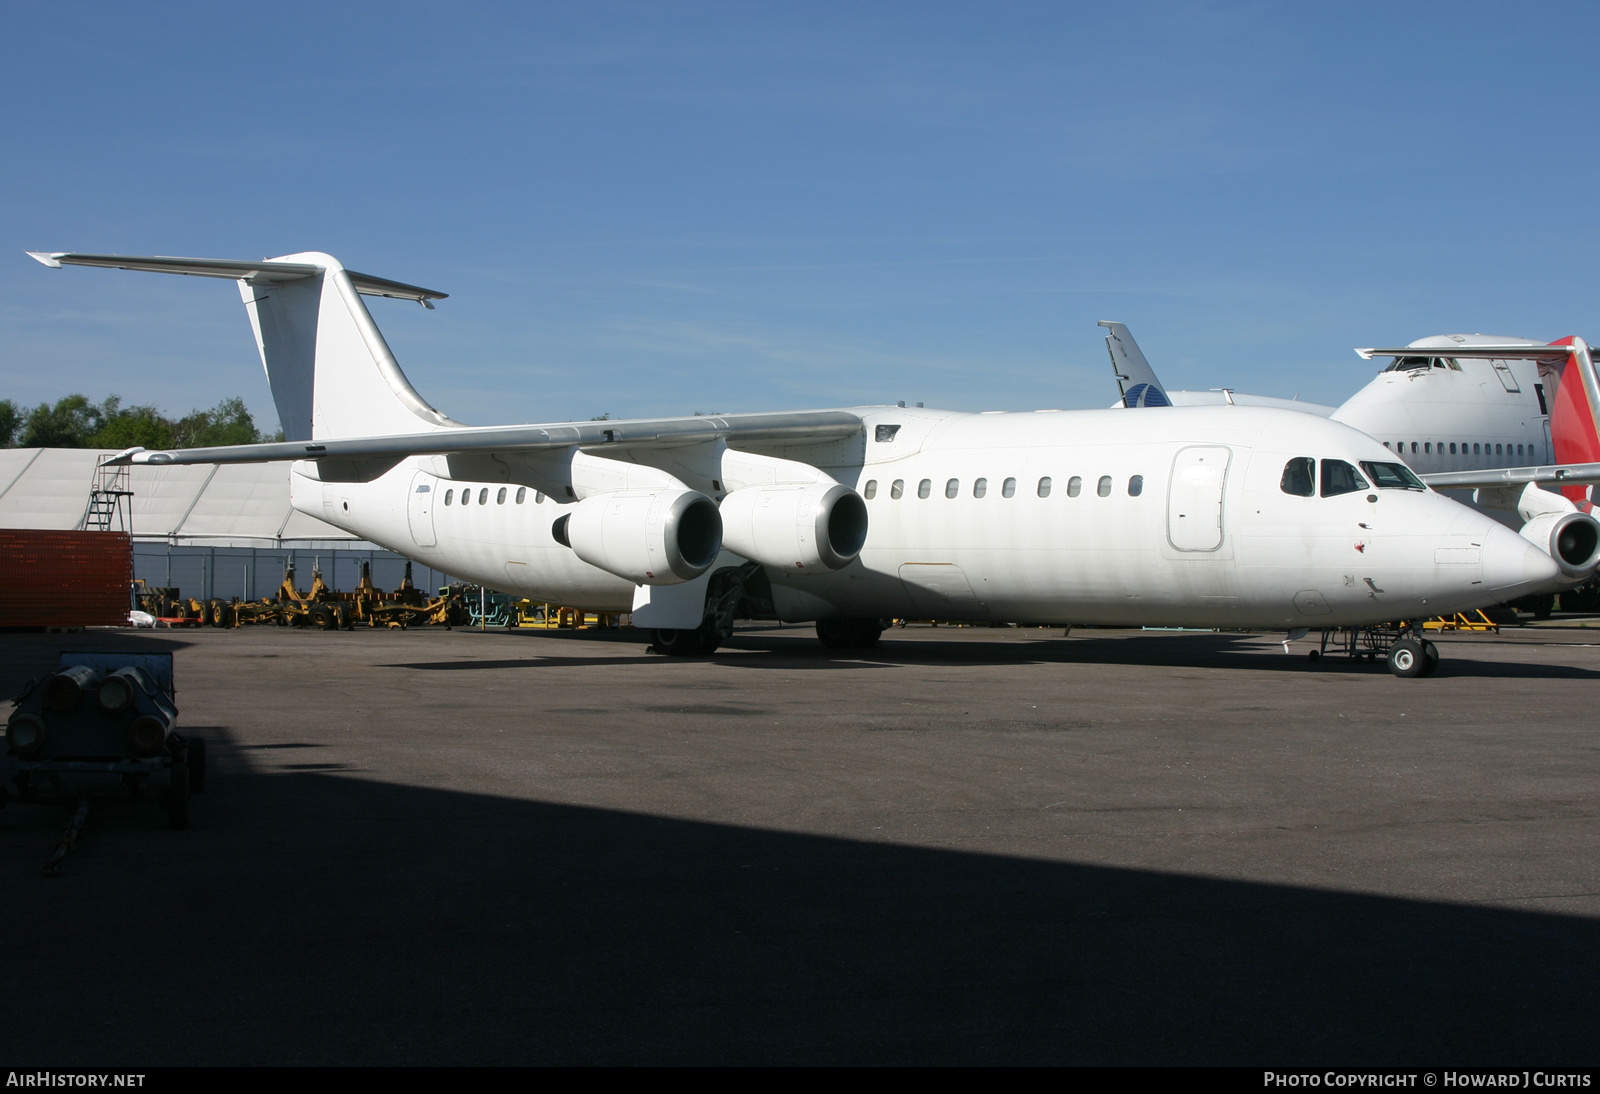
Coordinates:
<point>764,650</point>
<point>320,919</point>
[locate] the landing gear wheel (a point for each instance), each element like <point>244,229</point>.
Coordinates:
<point>834,634</point>
<point>867,633</point>
<point>1315,655</point>
<point>681,642</point>
<point>177,797</point>
<point>1406,658</point>
<point>1430,657</point>
<point>849,634</point>
<point>195,756</point>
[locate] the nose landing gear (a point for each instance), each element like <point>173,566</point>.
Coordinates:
<point>1413,657</point>
<point>1401,645</point>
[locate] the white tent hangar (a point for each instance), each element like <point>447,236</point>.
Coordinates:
<point>210,529</point>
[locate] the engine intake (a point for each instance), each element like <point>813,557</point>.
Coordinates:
<point>798,529</point>
<point>649,537</point>
<point>1572,539</point>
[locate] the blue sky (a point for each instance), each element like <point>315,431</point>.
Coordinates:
<point>658,208</point>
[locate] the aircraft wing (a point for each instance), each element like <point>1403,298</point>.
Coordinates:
<point>794,426</point>
<point>1499,353</point>
<point>1577,474</point>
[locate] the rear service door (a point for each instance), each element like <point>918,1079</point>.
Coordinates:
<point>1194,497</point>
<point>419,509</point>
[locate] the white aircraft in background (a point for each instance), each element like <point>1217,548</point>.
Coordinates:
<point>1224,516</point>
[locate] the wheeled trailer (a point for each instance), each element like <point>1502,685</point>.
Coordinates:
<point>102,714</point>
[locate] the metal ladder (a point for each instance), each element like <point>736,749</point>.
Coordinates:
<point>108,511</point>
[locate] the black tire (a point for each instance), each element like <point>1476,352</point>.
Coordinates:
<point>195,757</point>
<point>177,797</point>
<point>677,642</point>
<point>836,633</point>
<point>1315,655</point>
<point>1430,657</point>
<point>866,633</point>
<point>1406,658</point>
<point>323,618</point>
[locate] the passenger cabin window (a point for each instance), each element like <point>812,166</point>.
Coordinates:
<point>1104,489</point>
<point>980,487</point>
<point>448,494</point>
<point>1392,476</point>
<point>1427,446</point>
<point>885,433</point>
<point>1339,477</point>
<point>1008,488</point>
<point>924,488</point>
<point>538,497</point>
<point>1044,487</point>
<point>522,492</point>
<point>952,488</point>
<point>1299,477</point>
<point>483,496</point>
<point>1452,448</point>
<point>1074,486</point>
<point>1135,486</point>
<point>871,490</point>
<point>897,488</point>
<point>500,498</point>
<point>1413,447</point>
<point>466,497</point>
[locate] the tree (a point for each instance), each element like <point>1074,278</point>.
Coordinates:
<point>10,421</point>
<point>229,422</point>
<point>71,423</point>
<point>141,426</point>
<point>75,422</point>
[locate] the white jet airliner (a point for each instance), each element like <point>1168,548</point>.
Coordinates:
<point>1226,516</point>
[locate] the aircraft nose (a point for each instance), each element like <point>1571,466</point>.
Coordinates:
<point>1513,567</point>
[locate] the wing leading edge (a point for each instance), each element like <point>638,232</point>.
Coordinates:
<point>797,427</point>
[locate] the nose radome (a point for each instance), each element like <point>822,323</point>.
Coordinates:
<point>1513,567</point>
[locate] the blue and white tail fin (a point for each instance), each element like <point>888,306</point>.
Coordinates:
<point>331,372</point>
<point>1136,380</point>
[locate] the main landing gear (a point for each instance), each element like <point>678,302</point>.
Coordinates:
<point>1400,645</point>
<point>850,634</point>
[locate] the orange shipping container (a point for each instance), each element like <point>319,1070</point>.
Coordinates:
<point>64,579</point>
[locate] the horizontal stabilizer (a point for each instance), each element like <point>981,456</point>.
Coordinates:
<point>809,425</point>
<point>1579,474</point>
<point>1500,353</point>
<point>264,271</point>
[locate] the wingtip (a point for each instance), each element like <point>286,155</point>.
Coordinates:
<point>48,258</point>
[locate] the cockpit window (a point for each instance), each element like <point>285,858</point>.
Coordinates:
<point>1392,476</point>
<point>1339,477</point>
<point>1300,477</point>
<point>1403,364</point>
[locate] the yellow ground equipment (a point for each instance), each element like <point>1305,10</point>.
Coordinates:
<point>1462,621</point>
<point>530,613</point>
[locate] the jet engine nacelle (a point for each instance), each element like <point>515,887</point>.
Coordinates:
<point>1572,539</point>
<point>649,537</point>
<point>796,528</point>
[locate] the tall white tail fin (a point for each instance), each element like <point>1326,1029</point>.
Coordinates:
<point>332,374</point>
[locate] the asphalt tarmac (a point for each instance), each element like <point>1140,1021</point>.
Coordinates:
<point>966,846</point>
